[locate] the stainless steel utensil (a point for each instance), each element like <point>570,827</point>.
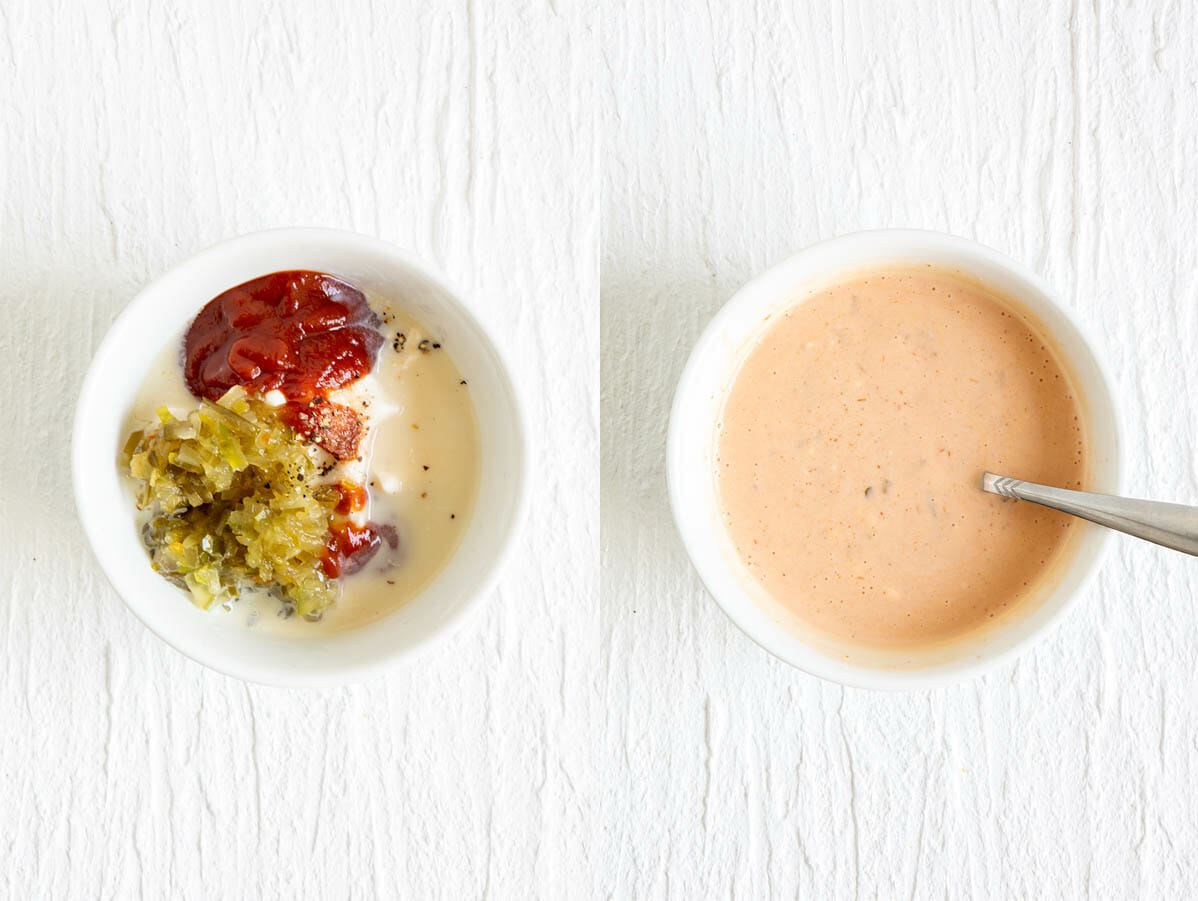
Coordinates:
<point>1171,525</point>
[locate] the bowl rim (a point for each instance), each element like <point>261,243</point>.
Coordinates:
<point>813,661</point>
<point>255,671</point>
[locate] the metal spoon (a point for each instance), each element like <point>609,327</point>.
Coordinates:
<point>1171,525</point>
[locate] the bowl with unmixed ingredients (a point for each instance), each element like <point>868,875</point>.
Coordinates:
<point>826,443</point>
<point>300,458</point>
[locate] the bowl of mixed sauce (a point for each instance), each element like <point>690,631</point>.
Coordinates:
<point>827,441</point>
<point>299,457</point>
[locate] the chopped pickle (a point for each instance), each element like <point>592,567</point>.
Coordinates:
<point>234,501</point>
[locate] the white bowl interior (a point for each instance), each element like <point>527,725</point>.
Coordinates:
<point>163,309</point>
<point>704,384</point>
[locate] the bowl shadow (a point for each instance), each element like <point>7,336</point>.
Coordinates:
<point>60,317</point>
<point>649,321</point>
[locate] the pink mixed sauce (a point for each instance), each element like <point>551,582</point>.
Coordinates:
<point>852,442</point>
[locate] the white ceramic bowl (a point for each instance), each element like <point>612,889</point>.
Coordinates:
<point>163,309</point>
<point>708,375</point>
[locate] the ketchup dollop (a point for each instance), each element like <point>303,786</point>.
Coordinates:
<point>349,547</point>
<point>303,333</point>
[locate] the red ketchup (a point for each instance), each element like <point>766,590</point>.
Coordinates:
<point>348,547</point>
<point>303,333</point>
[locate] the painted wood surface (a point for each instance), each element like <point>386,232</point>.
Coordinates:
<point>571,741</point>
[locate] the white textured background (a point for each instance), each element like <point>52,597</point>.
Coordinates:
<point>133,134</point>
<point>1064,135</point>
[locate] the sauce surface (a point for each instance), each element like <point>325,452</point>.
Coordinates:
<point>852,442</point>
<point>302,333</point>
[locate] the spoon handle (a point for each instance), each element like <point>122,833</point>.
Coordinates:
<point>1171,525</point>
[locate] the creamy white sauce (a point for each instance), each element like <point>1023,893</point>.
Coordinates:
<point>419,457</point>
